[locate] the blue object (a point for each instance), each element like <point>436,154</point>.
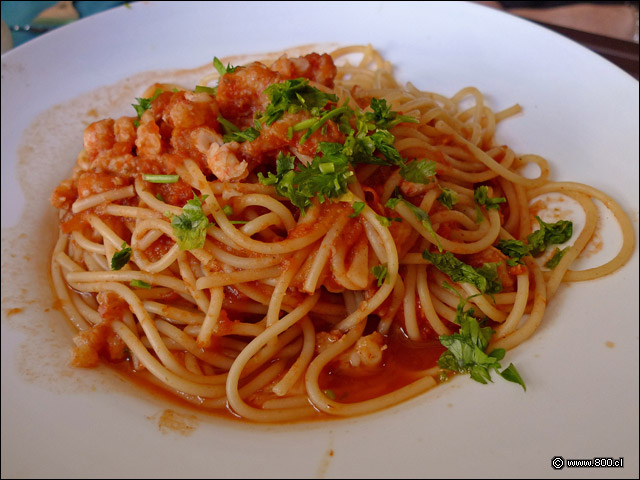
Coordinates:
<point>23,13</point>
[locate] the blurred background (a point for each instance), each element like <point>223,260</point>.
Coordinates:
<point>607,27</point>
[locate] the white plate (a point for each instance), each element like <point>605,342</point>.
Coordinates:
<point>581,367</point>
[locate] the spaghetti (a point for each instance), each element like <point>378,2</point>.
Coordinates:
<point>304,239</point>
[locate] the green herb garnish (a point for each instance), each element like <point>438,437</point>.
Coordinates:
<point>205,89</point>
<point>466,350</point>
<point>423,216</point>
<point>555,259</point>
<point>484,278</point>
<point>190,228</point>
<point>160,178</point>
<point>121,257</point>
<point>221,69</point>
<point>357,208</point>
<point>144,104</point>
<point>325,177</point>
<point>292,96</point>
<point>140,284</point>
<point>448,197</point>
<point>380,272</point>
<point>549,234</point>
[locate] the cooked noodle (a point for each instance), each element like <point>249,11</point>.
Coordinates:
<point>282,315</point>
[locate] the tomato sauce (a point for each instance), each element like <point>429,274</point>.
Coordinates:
<point>402,362</point>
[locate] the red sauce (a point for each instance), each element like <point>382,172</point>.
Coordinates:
<point>401,365</point>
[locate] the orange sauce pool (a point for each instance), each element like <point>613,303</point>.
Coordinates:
<point>402,363</point>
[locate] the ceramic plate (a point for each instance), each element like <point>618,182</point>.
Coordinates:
<point>581,367</point>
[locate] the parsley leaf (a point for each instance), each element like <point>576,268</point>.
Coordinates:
<point>219,66</point>
<point>293,96</point>
<point>386,221</point>
<point>555,259</point>
<point>249,134</point>
<point>233,134</point>
<point>481,196</point>
<point>383,117</point>
<point>336,112</point>
<point>484,278</point>
<point>461,314</point>
<point>357,208</point>
<point>418,171</point>
<point>419,213</point>
<point>144,104</point>
<point>140,284</point>
<point>380,272</point>
<point>121,257</point>
<point>548,234</point>
<point>228,210</point>
<point>190,228</point>
<point>448,197</point>
<point>515,250</point>
<point>327,176</point>
<point>466,351</point>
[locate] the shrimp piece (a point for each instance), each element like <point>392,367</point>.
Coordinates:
<point>224,164</point>
<point>149,140</point>
<point>191,110</point>
<point>361,359</point>
<point>241,93</point>
<point>315,67</point>
<point>367,351</point>
<point>99,137</point>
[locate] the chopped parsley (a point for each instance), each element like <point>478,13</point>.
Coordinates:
<point>481,196</point>
<point>320,122</point>
<point>466,350</point>
<point>228,210</point>
<point>140,284</point>
<point>383,117</point>
<point>448,198</point>
<point>357,208</point>
<point>418,171</point>
<point>549,234</point>
<point>555,259</point>
<point>151,178</point>
<point>324,178</point>
<point>419,213</point>
<point>484,278</point>
<point>380,272</point>
<point>190,228</point>
<point>515,250</point>
<point>329,172</point>
<point>233,134</point>
<point>249,134</point>
<point>386,221</point>
<point>144,104</point>
<point>538,241</point>
<point>205,89</point>
<point>121,257</point>
<point>292,96</point>
<point>221,69</point>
